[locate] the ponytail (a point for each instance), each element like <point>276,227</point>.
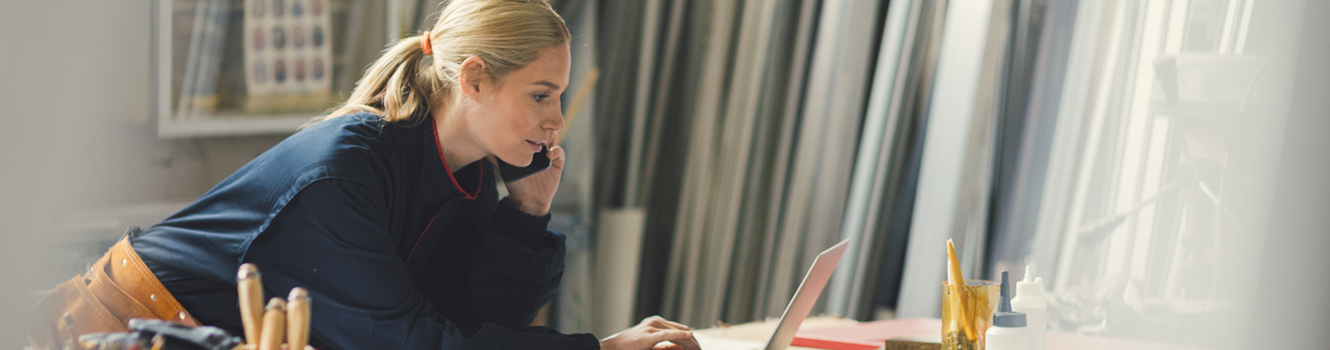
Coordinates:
<point>505,34</point>
<point>392,86</point>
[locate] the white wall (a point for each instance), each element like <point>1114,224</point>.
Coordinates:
<point>77,137</point>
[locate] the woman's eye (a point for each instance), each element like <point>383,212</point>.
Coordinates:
<point>540,97</point>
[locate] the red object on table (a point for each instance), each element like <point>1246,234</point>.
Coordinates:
<point>820,342</point>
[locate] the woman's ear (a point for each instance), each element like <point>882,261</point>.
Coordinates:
<point>471,77</point>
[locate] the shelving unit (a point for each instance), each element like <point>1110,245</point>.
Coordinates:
<point>355,36</point>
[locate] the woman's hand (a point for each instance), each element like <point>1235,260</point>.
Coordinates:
<point>533,194</point>
<point>649,334</point>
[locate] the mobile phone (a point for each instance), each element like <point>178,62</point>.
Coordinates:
<point>539,162</point>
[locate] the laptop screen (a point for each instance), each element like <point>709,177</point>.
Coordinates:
<point>806,296</point>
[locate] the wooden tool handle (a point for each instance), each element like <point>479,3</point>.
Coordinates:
<point>274,325</point>
<point>249,285</point>
<point>297,318</point>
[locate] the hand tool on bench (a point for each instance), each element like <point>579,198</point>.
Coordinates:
<point>297,318</point>
<point>274,325</point>
<point>250,289</point>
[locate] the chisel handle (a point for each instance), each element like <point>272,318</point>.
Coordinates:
<point>249,285</point>
<point>274,325</point>
<point>297,318</point>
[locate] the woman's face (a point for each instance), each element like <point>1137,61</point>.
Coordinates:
<point>521,112</point>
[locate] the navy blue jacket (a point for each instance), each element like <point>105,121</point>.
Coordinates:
<point>397,251</point>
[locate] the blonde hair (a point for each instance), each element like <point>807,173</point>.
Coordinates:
<point>505,34</point>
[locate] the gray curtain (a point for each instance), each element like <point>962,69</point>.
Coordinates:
<point>741,156</point>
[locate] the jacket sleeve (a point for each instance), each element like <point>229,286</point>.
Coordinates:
<point>331,238</point>
<point>517,269</point>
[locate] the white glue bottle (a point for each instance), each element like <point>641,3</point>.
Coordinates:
<point>1030,301</point>
<point>1008,331</point>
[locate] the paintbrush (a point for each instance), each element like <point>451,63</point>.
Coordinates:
<point>957,282</point>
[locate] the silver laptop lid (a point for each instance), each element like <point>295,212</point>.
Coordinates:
<point>806,296</point>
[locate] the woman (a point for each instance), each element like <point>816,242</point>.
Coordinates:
<point>386,210</point>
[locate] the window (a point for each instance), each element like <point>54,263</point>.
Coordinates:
<point>1161,150</point>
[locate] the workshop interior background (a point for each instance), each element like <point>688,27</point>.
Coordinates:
<point>1163,163</point>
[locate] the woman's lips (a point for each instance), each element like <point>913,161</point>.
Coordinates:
<point>535,146</point>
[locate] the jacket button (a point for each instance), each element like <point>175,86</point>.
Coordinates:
<point>182,315</point>
<point>153,297</point>
<point>123,262</point>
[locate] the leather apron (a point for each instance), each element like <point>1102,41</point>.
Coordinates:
<point>117,288</point>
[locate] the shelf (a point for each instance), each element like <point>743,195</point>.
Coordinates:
<point>229,69</point>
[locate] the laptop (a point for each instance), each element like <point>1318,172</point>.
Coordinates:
<point>795,312</point>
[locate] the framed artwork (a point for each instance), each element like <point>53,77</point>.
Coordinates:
<point>243,67</point>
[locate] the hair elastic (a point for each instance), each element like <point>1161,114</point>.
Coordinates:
<point>424,44</point>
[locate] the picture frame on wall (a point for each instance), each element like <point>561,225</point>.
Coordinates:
<point>249,67</point>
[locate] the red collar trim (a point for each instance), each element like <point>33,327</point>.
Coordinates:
<point>450,171</point>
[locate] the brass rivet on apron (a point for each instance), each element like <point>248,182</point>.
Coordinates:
<point>182,315</point>
<point>123,262</point>
<point>153,297</point>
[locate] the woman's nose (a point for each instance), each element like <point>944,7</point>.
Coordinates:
<point>553,122</point>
